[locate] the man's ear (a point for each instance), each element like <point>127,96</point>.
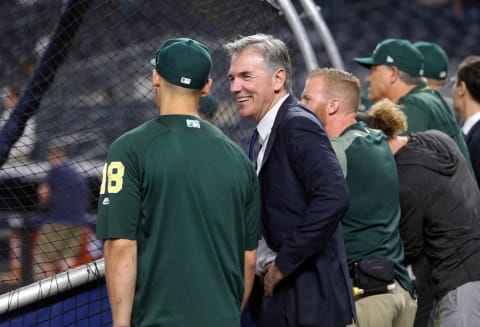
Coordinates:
<point>462,88</point>
<point>279,78</point>
<point>332,106</point>
<point>206,89</point>
<point>155,79</point>
<point>394,74</point>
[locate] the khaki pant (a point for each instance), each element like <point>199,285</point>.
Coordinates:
<point>58,241</point>
<point>394,309</point>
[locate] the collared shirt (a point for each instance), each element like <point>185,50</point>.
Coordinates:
<point>472,120</point>
<point>264,129</point>
<point>264,254</point>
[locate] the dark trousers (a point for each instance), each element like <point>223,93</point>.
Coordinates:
<point>256,297</point>
<point>273,311</point>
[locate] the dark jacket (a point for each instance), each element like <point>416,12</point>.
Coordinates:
<point>440,204</point>
<point>473,143</point>
<point>304,197</point>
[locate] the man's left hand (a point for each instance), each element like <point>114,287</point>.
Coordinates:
<point>273,276</point>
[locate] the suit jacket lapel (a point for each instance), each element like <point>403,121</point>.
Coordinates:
<point>472,131</point>
<point>289,102</point>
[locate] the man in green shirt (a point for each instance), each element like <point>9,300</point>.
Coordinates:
<point>179,208</point>
<point>370,225</point>
<point>396,74</point>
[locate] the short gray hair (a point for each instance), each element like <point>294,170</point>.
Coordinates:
<point>409,79</point>
<point>274,50</point>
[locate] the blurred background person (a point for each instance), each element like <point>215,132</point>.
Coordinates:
<point>435,64</point>
<point>63,196</point>
<point>435,71</point>
<point>208,106</point>
<point>466,101</point>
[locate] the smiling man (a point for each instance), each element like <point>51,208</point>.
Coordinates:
<point>304,194</point>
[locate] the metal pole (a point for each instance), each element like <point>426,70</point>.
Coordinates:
<point>313,12</point>
<point>299,32</point>
<point>51,286</point>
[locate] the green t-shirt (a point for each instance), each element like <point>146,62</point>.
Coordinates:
<point>426,109</point>
<point>370,225</point>
<point>190,198</point>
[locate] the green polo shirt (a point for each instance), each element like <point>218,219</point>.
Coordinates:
<point>370,225</point>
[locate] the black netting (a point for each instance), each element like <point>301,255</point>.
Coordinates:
<point>82,73</point>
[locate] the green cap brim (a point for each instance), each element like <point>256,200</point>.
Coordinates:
<point>153,62</point>
<point>365,62</point>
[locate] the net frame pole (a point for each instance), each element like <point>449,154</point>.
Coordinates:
<point>51,286</point>
<point>43,76</point>
<point>298,31</point>
<point>313,13</point>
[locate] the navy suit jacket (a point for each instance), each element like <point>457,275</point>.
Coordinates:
<point>304,197</point>
<point>473,143</point>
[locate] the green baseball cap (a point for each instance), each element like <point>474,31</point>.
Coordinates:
<point>395,52</point>
<point>208,105</point>
<point>435,60</point>
<point>183,62</point>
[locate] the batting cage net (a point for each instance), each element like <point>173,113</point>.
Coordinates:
<point>76,74</point>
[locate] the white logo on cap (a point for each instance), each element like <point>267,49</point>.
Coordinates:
<point>421,72</point>
<point>185,80</point>
<point>443,74</point>
<point>389,59</point>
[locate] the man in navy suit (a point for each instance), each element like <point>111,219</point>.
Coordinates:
<point>304,193</point>
<point>466,101</point>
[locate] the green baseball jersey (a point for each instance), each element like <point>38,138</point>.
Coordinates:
<point>190,198</point>
<point>370,225</point>
<point>426,109</point>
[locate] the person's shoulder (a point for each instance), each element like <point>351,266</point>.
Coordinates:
<point>434,140</point>
<point>131,140</point>
<point>435,135</point>
<point>427,97</point>
<point>417,98</point>
<point>296,111</point>
<point>212,128</point>
<point>360,138</point>
<point>349,135</point>
<point>475,130</point>
<point>143,130</point>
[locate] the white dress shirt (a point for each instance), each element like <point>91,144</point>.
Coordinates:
<point>264,129</point>
<point>265,255</point>
<point>472,120</point>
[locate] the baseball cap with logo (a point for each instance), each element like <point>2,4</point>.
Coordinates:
<point>183,62</point>
<point>395,52</point>
<point>435,60</point>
